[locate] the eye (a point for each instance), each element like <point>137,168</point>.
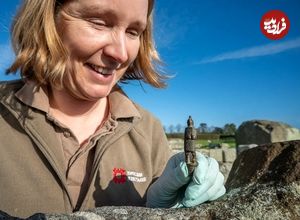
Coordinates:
<point>134,33</point>
<point>98,23</point>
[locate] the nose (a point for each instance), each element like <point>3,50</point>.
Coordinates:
<point>116,49</point>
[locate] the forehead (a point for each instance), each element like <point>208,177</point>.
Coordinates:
<point>131,9</point>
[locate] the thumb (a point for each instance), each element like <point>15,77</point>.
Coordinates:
<point>181,175</point>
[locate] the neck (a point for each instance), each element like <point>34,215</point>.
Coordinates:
<point>81,116</point>
<point>61,101</point>
<point>75,112</point>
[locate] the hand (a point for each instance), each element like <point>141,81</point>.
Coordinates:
<point>206,184</point>
<point>165,191</point>
<point>172,188</point>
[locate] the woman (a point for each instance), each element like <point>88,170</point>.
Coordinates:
<point>70,138</point>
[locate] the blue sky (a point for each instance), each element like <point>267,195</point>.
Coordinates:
<point>225,70</point>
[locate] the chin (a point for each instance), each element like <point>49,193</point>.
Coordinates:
<point>95,94</point>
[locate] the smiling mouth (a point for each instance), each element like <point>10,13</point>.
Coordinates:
<point>101,70</point>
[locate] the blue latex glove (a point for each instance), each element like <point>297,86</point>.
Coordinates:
<point>175,188</point>
<point>165,191</point>
<point>207,182</point>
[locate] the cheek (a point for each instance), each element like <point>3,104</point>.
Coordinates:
<point>72,43</point>
<point>81,43</point>
<point>134,50</point>
<point>77,47</point>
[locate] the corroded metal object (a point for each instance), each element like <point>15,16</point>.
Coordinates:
<point>190,136</point>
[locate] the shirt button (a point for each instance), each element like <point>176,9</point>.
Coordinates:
<point>67,134</point>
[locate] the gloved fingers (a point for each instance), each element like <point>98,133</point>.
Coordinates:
<point>213,191</point>
<point>176,172</point>
<point>172,179</point>
<point>201,170</point>
<point>160,196</point>
<point>195,191</point>
<point>206,184</point>
<point>195,201</point>
<point>175,160</point>
<point>165,191</point>
<point>220,193</point>
<point>181,174</point>
<point>158,202</point>
<point>177,205</point>
<point>206,173</point>
<point>196,194</point>
<point>202,182</point>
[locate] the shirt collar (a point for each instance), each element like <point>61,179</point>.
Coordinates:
<point>36,96</point>
<point>121,106</point>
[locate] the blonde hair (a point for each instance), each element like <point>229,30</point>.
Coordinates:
<point>41,55</point>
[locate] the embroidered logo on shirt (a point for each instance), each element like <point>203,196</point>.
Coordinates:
<point>136,177</point>
<point>120,175</point>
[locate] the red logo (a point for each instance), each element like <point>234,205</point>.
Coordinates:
<point>119,175</point>
<point>275,24</point>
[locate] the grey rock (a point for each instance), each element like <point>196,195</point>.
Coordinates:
<point>264,131</point>
<point>242,147</point>
<point>269,163</point>
<point>225,169</point>
<point>225,146</point>
<point>216,154</point>
<point>264,183</point>
<point>229,155</point>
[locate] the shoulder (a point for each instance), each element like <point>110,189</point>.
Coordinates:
<point>148,119</point>
<point>7,92</point>
<point>150,127</point>
<point>9,87</point>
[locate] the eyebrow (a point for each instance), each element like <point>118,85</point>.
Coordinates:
<point>99,10</point>
<point>111,14</point>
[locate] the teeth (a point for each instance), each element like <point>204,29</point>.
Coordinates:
<point>101,70</point>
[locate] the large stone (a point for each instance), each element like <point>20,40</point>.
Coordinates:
<point>217,154</point>
<point>229,155</point>
<point>225,169</point>
<point>263,131</point>
<point>264,183</point>
<point>270,163</point>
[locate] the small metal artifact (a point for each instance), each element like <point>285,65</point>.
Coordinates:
<point>190,136</point>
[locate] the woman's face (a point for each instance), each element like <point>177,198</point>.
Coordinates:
<point>103,39</point>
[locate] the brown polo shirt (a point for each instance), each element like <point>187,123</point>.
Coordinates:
<point>78,158</point>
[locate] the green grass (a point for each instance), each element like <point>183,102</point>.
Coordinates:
<point>205,143</point>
